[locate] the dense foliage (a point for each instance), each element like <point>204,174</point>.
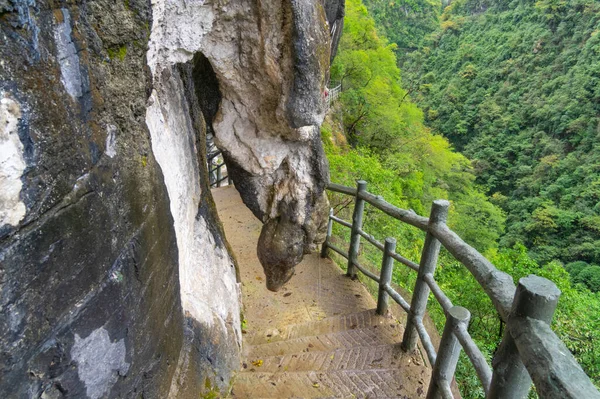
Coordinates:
<point>381,123</point>
<point>515,86</point>
<point>376,133</point>
<point>407,23</point>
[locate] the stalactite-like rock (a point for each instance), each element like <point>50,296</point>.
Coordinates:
<point>270,60</point>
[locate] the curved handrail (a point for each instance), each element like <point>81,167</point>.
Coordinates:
<point>509,378</point>
<point>497,284</point>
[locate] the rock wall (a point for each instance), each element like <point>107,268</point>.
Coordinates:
<point>89,290</point>
<point>210,293</point>
<point>115,278</point>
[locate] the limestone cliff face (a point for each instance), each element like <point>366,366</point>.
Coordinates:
<point>115,279</point>
<point>89,291</point>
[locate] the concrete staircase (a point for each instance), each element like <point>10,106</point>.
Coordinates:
<point>319,337</point>
<point>348,356</point>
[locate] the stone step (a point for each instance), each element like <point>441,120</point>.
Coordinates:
<point>356,358</point>
<point>313,296</point>
<point>373,383</point>
<point>387,332</point>
<point>325,326</point>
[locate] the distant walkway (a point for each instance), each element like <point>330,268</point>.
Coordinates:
<point>319,337</point>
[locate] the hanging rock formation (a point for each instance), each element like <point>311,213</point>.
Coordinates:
<point>115,278</point>
<point>261,71</point>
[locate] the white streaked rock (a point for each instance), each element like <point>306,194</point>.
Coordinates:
<point>12,163</point>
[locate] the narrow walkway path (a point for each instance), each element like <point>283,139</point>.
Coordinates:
<point>319,337</point>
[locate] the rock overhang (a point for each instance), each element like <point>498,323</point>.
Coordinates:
<point>271,61</point>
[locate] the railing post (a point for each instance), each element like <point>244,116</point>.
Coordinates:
<point>429,256</point>
<point>325,247</point>
<point>536,297</point>
<point>357,221</point>
<point>387,265</point>
<point>219,176</point>
<point>445,364</point>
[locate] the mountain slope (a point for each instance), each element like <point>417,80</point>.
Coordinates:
<point>515,86</point>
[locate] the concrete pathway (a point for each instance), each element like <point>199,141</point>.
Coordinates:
<point>318,337</point>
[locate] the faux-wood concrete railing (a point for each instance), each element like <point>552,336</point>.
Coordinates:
<point>529,349</point>
<point>215,170</point>
<point>333,94</point>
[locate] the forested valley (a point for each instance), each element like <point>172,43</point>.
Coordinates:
<point>494,105</point>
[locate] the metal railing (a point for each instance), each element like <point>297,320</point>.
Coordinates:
<point>529,348</point>
<point>215,164</point>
